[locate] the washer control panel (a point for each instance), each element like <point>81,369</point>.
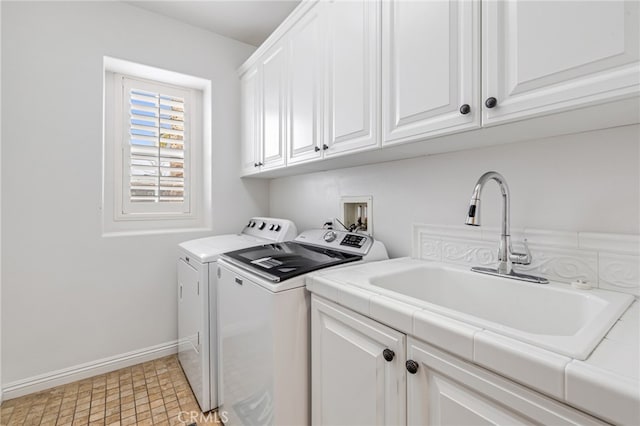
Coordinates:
<point>353,240</point>
<point>350,242</point>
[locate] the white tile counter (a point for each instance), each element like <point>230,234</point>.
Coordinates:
<point>606,384</point>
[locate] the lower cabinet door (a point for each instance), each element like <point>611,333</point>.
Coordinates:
<point>447,391</point>
<point>358,374</point>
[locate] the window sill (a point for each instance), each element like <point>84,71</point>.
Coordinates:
<point>140,232</point>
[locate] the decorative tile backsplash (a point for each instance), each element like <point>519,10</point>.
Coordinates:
<point>608,261</point>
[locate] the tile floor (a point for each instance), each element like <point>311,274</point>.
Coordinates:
<point>152,393</point>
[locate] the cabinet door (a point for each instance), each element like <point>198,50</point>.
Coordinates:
<point>274,74</point>
<point>540,57</point>
<point>353,76</point>
<point>430,57</point>
<point>250,122</point>
<point>305,89</point>
<point>351,382</point>
<point>449,391</point>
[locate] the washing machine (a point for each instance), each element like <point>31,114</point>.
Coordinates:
<point>197,300</point>
<point>264,325</point>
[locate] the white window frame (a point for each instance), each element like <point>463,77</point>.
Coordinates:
<point>122,217</point>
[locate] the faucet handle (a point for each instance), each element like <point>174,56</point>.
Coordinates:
<point>521,258</point>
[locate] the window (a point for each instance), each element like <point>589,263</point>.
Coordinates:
<point>156,147</point>
<point>154,151</point>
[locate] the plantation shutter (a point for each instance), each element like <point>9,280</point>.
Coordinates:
<point>155,166</point>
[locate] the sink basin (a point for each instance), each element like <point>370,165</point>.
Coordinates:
<point>552,316</point>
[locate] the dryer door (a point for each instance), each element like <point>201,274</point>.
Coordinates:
<point>192,305</point>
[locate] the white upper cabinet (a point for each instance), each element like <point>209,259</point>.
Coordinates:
<point>540,57</point>
<point>344,76</point>
<point>274,107</point>
<point>250,122</point>
<point>305,89</point>
<point>430,71</point>
<point>352,75</point>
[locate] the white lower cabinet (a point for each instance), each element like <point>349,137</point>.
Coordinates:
<point>445,390</point>
<point>353,383</point>
<point>357,374</point>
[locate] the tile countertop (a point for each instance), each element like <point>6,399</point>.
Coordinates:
<point>612,369</point>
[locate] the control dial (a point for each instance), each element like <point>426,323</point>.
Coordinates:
<point>330,236</point>
<point>262,225</point>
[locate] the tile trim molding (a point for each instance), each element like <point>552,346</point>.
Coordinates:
<point>89,369</point>
<point>607,261</point>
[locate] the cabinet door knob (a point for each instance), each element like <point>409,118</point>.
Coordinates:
<point>412,366</point>
<point>491,102</point>
<point>325,146</point>
<point>316,149</point>
<point>388,355</point>
<point>465,109</point>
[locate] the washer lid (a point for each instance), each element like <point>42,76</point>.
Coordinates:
<point>210,248</point>
<point>280,261</point>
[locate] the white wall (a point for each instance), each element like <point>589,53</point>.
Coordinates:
<point>69,295</point>
<point>586,182</point>
<point>1,393</point>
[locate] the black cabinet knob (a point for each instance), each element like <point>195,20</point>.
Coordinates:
<point>412,366</point>
<point>388,354</point>
<point>465,109</point>
<point>317,148</point>
<point>325,146</point>
<point>491,102</point>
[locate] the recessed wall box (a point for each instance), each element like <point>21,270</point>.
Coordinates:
<point>357,213</point>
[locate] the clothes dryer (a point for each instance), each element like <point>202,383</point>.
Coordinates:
<point>197,300</point>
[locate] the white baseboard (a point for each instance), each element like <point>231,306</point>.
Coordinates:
<point>89,369</point>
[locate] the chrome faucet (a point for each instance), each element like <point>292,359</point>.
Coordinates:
<point>506,256</point>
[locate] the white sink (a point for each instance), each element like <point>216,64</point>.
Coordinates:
<point>552,316</point>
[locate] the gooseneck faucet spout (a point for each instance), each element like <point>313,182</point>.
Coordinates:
<point>506,256</point>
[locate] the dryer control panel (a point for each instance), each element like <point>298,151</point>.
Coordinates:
<point>269,228</point>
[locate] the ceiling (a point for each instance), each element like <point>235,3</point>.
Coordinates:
<point>249,21</point>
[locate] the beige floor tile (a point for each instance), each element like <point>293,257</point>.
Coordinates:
<point>64,421</point>
<point>142,408</point>
<point>144,415</point>
<point>127,413</point>
<point>153,393</point>
<point>128,421</point>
